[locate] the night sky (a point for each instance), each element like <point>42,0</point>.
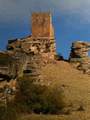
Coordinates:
<point>71,20</point>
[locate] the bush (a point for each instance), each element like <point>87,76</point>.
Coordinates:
<point>32,97</point>
<point>8,113</point>
<point>36,98</point>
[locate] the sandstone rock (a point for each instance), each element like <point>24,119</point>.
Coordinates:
<point>79,54</point>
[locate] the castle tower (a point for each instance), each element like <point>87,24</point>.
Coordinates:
<point>41,40</point>
<point>43,32</point>
<point>42,25</point>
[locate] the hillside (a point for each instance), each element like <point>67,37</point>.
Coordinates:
<point>76,87</point>
<point>75,84</point>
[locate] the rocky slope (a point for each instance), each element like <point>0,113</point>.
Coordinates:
<point>75,85</point>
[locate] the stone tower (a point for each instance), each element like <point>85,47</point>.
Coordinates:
<point>42,38</point>
<point>43,32</point>
<point>42,25</point>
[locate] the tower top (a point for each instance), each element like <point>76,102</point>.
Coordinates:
<point>42,25</point>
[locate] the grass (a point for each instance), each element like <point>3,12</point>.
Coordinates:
<point>73,116</point>
<point>42,117</point>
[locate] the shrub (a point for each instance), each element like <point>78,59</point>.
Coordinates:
<point>2,113</point>
<point>8,113</point>
<point>36,98</point>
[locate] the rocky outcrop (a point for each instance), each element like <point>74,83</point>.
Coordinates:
<point>79,56</point>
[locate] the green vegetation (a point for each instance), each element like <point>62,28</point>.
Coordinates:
<point>8,112</point>
<point>44,117</point>
<point>37,98</point>
<point>32,98</point>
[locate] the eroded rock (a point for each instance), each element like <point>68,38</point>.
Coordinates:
<point>79,56</point>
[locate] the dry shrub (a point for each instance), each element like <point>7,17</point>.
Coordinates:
<point>36,98</point>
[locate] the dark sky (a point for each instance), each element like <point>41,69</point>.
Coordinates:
<point>71,19</point>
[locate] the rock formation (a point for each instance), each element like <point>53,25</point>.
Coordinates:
<point>79,56</point>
